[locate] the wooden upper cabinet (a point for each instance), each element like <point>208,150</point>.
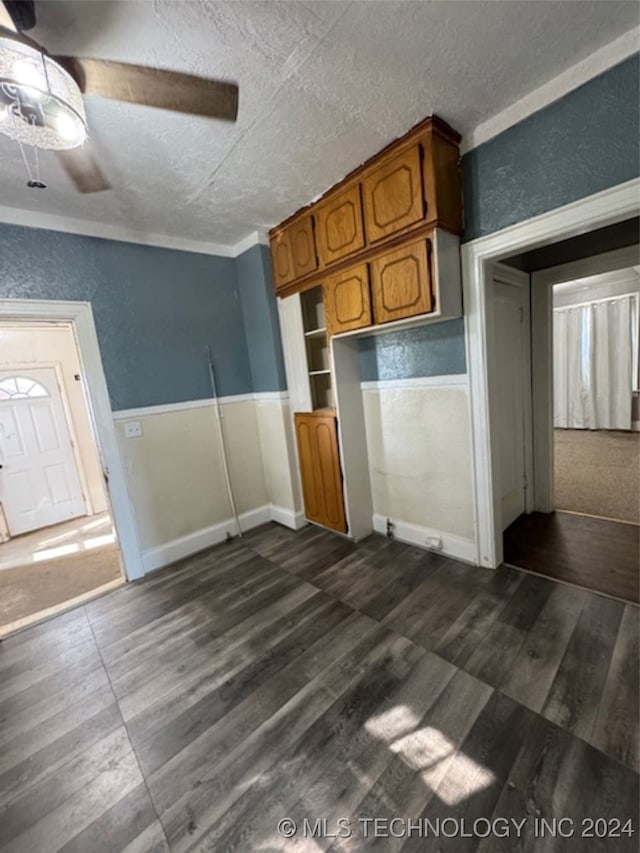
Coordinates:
<point>293,251</point>
<point>317,439</point>
<point>401,195</point>
<point>339,230</point>
<point>282,260</point>
<point>303,247</point>
<point>401,283</point>
<point>442,183</point>
<point>392,195</point>
<point>347,300</point>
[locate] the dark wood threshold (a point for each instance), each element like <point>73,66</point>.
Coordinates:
<point>588,552</point>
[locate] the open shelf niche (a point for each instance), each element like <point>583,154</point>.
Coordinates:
<point>317,349</point>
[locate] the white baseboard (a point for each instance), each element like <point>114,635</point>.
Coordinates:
<point>635,426</point>
<point>287,517</point>
<point>414,534</point>
<point>184,546</point>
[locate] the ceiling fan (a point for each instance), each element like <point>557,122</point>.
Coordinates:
<point>41,100</point>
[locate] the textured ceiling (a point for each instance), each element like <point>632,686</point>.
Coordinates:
<point>323,86</point>
<point>629,276</point>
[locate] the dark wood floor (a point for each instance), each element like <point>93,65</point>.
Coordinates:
<point>599,555</point>
<point>300,676</point>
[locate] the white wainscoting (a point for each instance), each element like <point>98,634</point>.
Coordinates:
<point>419,447</point>
<point>175,475</point>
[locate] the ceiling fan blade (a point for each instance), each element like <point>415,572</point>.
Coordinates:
<point>6,21</point>
<point>81,166</point>
<point>21,12</point>
<point>169,90</point>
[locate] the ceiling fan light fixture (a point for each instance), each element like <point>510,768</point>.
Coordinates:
<point>40,103</point>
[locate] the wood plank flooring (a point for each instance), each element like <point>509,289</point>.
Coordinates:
<point>600,555</point>
<point>297,675</point>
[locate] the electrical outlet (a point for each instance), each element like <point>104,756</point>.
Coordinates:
<point>133,429</point>
<point>434,542</point>
<point>390,528</point>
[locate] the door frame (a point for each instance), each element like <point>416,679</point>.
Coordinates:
<point>542,283</point>
<point>80,316</point>
<point>597,211</point>
<point>516,278</point>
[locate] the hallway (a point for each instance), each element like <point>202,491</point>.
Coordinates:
<point>46,571</point>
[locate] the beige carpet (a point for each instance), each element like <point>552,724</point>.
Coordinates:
<point>597,472</point>
<point>30,589</point>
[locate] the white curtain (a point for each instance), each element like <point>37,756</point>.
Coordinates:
<point>593,364</point>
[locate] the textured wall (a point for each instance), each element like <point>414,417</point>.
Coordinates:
<point>262,325</point>
<point>587,141</point>
<point>433,350</point>
<point>155,310</point>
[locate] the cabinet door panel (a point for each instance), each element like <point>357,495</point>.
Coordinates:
<point>320,469</point>
<point>392,195</point>
<point>303,248</point>
<point>347,300</point>
<point>401,283</point>
<point>307,454</point>
<point>339,229</point>
<point>282,260</point>
<point>330,476</point>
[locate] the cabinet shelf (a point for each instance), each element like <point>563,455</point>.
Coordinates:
<point>319,372</point>
<point>313,333</point>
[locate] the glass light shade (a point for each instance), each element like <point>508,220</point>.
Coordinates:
<point>40,103</point>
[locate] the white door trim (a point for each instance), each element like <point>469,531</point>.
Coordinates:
<point>509,275</point>
<point>81,317</point>
<point>605,208</point>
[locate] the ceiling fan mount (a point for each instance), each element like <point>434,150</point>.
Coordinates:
<point>41,96</point>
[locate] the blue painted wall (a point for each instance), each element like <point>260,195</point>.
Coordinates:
<point>434,350</point>
<point>585,142</point>
<point>261,320</point>
<point>155,310</point>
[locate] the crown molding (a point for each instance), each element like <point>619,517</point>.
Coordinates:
<point>256,238</point>
<point>87,228</point>
<point>597,63</point>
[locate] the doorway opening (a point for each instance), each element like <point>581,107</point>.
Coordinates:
<point>595,395</point>
<point>604,228</point>
<point>58,544</point>
<point>587,464</point>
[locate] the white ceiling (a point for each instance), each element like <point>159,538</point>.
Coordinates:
<point>323,86</point>
<point>627,279</point>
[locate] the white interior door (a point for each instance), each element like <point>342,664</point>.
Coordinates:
<point>39,482</point>
<point>510,380</point>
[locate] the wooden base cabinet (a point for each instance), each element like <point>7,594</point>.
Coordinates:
<point>317,439</point>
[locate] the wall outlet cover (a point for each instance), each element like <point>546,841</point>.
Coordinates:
<point>133,429</point>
